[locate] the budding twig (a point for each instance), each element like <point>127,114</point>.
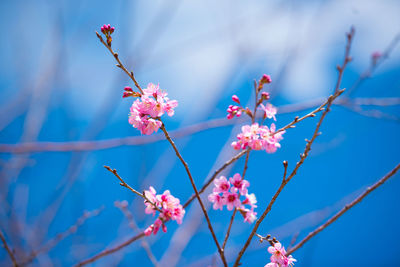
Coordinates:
<point>336,93</point>
<point>124,184</point>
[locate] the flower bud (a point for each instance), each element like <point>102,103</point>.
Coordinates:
<point>265,95</point>
<point>235,98</point>
<point>265,79</point>
<point>128,89</point>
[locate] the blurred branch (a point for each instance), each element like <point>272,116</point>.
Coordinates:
<point>307,149</point>
<point>133,225</point>
<point>61,236</point>
<point>28,147</point>
<point>344,209</point>
<point>110,250</point>
<point>374,65</point>
<point>8,249</point>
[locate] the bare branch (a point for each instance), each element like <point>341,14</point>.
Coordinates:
<point>8,249</point>
<point>344,209</point>
<point>124,184</point>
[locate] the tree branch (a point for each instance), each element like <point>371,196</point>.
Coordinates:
<point>344,209</point>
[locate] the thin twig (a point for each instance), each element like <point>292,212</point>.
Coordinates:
<point>221,253</point>
<point>304,155</point>
<point>374,65</point>
<point>8,249</point>
<point>229,229</point>
<point>344,209</point>
<point>120,65</point>
<point>124,184</point>
<point>212,178</point>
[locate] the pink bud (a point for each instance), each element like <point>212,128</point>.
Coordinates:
<point>265,79</point>
<point>129,89</point>
<point>112,29</point>
<point>108,27</point>
<point>148,230</point>
<point>265,95</point>
<point>236,99</point>
<point>164,228</point>
<point>126,94</point>
<point>102,29</point>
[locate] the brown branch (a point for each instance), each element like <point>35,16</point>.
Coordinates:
<point>235,210</point>
<point>229,229</point>
<point>124,184</point>
<point>111,250</point>
<point>120,65</point>
<point>344,209</point>
<point>220,251</point>
<point>8,249</point>
<point>212,178</point>
<point>61,236</point>
<point>304,155</point>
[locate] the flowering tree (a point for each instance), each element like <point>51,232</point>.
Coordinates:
<point>261,130</point>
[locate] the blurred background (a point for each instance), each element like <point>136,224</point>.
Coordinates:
<point>60,85</point>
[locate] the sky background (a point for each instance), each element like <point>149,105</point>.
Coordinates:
<point>59,83</point>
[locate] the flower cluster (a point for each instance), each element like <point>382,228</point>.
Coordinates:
<point>278,257</point>
<point>168,204</point>
<point>228,192</point>
<point>146,110</point>
<point>107,30</point>
<point>258,138</point>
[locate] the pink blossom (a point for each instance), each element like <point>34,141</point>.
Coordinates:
<point>269,111</point>
<point>218,200</point>
<point>279,256</point>
<point>170,207</point>
<point>258,137</point>
<point>272,264</point>
<point>232,200</point>
<point>150,195</point>
<point>221,185</point>
<point>250,216</point>
<point>250,200</point>
<point>239,184</point>
<point>272,140</point>
<point>146,110</point>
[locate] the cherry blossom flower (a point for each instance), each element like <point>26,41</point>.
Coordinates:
<point>258,138</point>
<point>250,200</point>
<point>269,111</point>
<point>232,200</point>
<point>146,110</point>
<point>250,216</point>
<point>239,184</point>
<point>279,256</point>
<point>221,185</point>
<point>228,192</point>
<point>170,207</point>
<point>218,200</point>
